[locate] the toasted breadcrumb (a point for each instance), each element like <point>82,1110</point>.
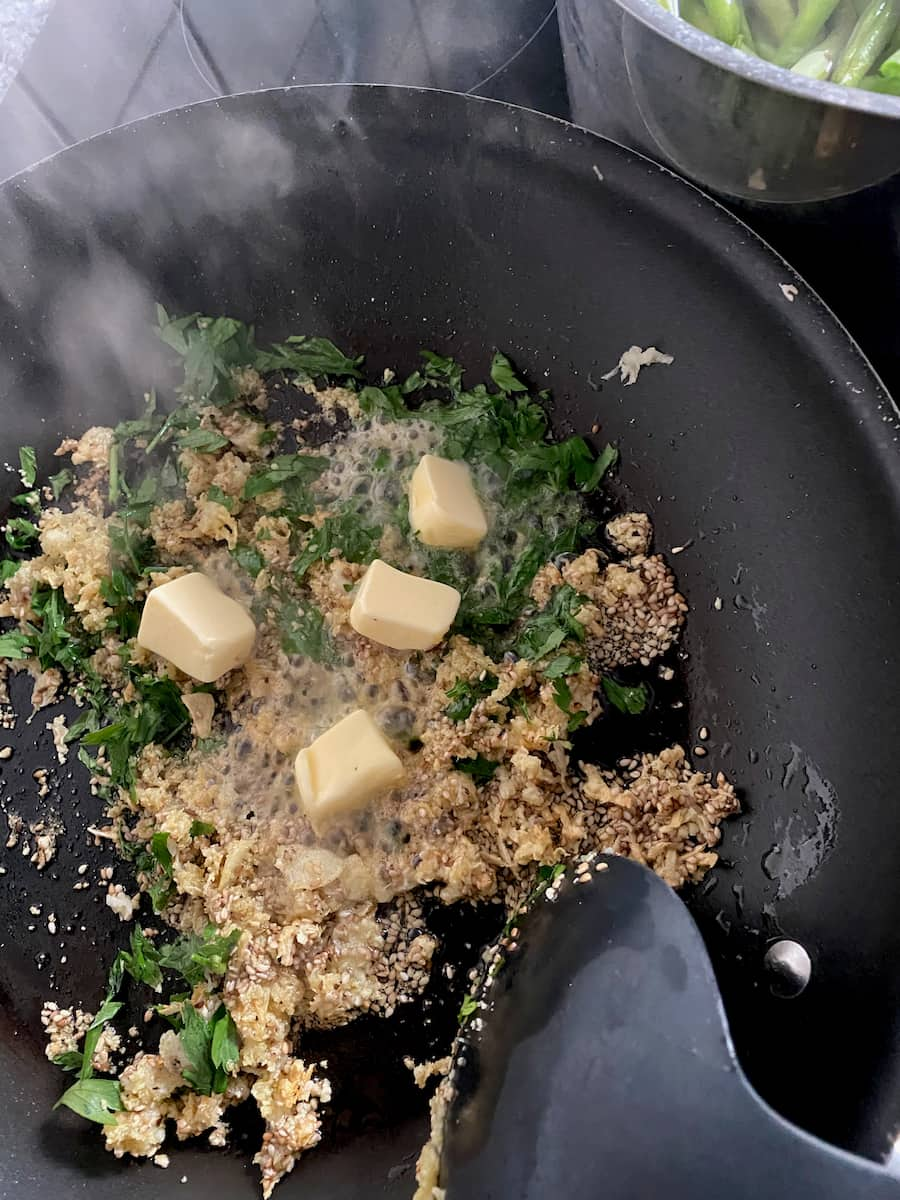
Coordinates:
<point>332,928</point>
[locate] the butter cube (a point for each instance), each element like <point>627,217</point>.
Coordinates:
<point>402,611</point>
<point>345,769</point>
<point>196,627</point>
<point>444,509</point>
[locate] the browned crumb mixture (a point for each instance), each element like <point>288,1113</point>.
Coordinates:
<point>330,927</point>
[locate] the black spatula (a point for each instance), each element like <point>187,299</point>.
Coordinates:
<point>600,1065</point>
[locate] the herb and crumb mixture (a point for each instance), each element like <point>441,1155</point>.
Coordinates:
<point>262,930</point>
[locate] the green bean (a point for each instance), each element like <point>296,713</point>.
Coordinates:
<point>726,19</point>
<point>671,6</point>
<point>894,43</point>
<point>805,28</point>
<point>869,37</point>
<point>878,83</point>
<point>815,65</point>
<point>778,16</point>
<point>891,66</point>
<point>694,12</point>
<point>827,51</point>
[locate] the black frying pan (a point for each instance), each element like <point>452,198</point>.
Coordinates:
<point>390,218</point>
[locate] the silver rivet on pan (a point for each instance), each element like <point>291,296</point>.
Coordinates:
<point>788,967</point>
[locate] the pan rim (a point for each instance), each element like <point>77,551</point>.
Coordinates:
<point>865,410</point>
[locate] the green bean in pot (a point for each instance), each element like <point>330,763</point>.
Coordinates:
<point>869,38</point>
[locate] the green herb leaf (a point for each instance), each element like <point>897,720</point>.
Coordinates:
<point>20,533</point>
<point>444,372</point>
<point>303,631</point>
<point>213,953</point>
<point>481,769</point>
<point>196,1041</point>
<point>225,1046</point>
<point>518,702</point>
<point>557,623</point>
<point>212,348</point>
<point>28,465</point>
<point>197,957</point>
<point>15,645</point>
<point>298,470</point>
<point>212,1048</point>
<point>60,481</point>
<point>344,533</point>
<point>144,426</point>
<point>115,485</point>
<point>8,568</point>
<point>624,697</point>
<point>69,1060</point>
<point>467,1008</point>
<point>563,664</point>
<point>94,1099</point>
<point>547,873</point>
<point>504,376</point>
<point>158,715</point>
<point>248,558</point>
<point>557,670</point>
<point>310,357</point>
<point>466,693</point>
<point>217,496</point>
<point>607,459</point>
<point>141,962</point>
<point>204,441</point>
<point>159,848</point>
<point>201,829</point>
<point>387,402</point>
<point>30,500</point>
<point>107,1011</point>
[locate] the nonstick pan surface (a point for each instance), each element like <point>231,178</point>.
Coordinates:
<point>389,218</point>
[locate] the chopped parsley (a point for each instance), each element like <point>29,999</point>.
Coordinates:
<point>217,496</point>
<point>481,769</point>
<point>293,473</point>
<point>201,829</point>
<point>468,1007</point>
<point>248,558</point>
<point>303,631</point>
<point>204,441</point>
<point>344,534</point>
<point>557,670</point>
<point>15,645</point>
<point>197,957</point>
<point>625,697</point>
<point>555,624</point>
<point>157,715</point>
<point>20,533</point>
<point>310,357</point>
<point>211,1048</point>
<point>60,481</point>
<point>28,466</point>
<point>504,376</point>
<point>466,693</point>
<point>141,962</point>
<point>94,1099</point>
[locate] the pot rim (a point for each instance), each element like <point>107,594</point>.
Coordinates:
<point>756,70</point>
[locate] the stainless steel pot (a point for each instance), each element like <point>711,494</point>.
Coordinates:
<point>733,122</point>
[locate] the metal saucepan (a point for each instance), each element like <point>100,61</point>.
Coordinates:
<point>732,121</point>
